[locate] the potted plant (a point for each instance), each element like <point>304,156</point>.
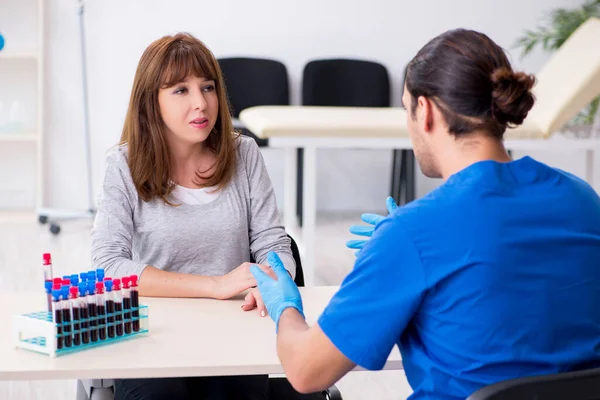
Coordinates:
<point>559,25</point>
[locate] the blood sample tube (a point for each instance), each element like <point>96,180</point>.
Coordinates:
<point>74,304</point>
<point>83,313</point>
<point>101,310</point>
<point>118,298</point>
<point>135,302</point>
<point>126,305</point>
<point>57,314</point>
<point>47,265</point>
<point>66,316</point>
<point>48,289</point>
<point>92,311</point>
<point>99,275</point>
<point>110,309</point>
<point>74,279</point>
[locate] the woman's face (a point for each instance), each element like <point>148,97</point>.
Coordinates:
<point>189,109</point>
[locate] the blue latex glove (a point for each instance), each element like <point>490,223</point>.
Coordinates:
<point>372,219</point>
<point>277,294</point>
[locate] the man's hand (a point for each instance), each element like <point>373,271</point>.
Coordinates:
<point>280,293</point>
<point>254,300</point>
<point>236,281</point>
<point>372,219</point>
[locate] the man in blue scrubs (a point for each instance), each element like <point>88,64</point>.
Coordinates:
<point>493,275</point>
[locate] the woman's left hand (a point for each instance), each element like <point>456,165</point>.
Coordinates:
<point>254,300</point>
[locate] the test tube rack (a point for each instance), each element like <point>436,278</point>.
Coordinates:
<point>39,333</point>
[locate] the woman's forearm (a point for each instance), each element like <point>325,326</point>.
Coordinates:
<point>155,282</point>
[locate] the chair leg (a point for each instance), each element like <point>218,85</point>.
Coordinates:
<point>396,170</point>
<point>332,393</point>
<point>410,177</point>
<point>299,180</point>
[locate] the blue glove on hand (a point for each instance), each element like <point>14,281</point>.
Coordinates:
<point>277,294</point>
<point>367,231</point>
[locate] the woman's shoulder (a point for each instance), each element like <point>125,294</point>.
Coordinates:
<point>246,147</point>
<point>118,155</point>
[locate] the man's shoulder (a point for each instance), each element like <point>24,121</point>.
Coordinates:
<point>437,202</point>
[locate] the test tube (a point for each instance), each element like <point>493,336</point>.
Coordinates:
<point>110,309</point>
<point>100,275</point>
<point>118,298</point>
<point>92,312</point>
<point>66,315</point>
<point>74,280</point>
<point>126,305</point>
<point>91,276</point>
<point>101,309</point>
<point>47,265</point>
<point>83,276</point>
<point>83,313</point>
<point>135,302</point>
<point>75,315</point>
<point>48,289</point>
<point>57,314</point>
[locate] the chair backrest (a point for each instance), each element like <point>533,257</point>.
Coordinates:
<point>570,79</point>
<point>578,385</point>
<point>254,82</point>
<point>299,272</point>
<point>345,82</point>
<point>299,280</point>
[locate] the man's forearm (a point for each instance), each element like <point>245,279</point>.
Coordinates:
<point>155,282</point>
<point>310,360</point>
<point>291,338</point>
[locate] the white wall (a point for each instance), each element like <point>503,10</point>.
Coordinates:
<point>293,31</point>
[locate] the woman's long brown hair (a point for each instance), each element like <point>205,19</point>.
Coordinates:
<point>166,62</point>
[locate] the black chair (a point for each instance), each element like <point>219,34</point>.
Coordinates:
<point>280,388</point>
<point>354,83</point>
<point>254,82</point>
<point>578,385</point>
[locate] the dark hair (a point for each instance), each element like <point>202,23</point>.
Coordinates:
<point>470,79</point>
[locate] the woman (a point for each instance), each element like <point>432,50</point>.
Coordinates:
<point>186,203</point>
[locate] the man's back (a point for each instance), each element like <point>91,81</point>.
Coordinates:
<point>494,275</point>
<point>511,256</point>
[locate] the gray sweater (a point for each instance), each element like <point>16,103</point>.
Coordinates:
<point>205,239</point>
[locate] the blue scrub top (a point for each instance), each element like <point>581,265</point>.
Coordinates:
<point>493,275</point>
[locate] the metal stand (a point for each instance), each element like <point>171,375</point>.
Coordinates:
<point>54,216</point>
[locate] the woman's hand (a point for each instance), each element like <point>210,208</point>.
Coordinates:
<point>237,281</point>
<point>254,300</point>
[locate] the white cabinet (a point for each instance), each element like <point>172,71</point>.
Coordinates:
<point>21,104</point>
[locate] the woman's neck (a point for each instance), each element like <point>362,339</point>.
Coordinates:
<point>187,161</point>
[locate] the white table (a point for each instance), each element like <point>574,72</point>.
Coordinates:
<point>313,128</point>
<point>188,337</point>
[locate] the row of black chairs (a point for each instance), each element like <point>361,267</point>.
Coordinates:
<point>328,82</point>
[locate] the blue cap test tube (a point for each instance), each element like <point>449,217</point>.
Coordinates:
<point>57,316</point>
<point>100,274</point>
<point>74,280</point>
<point>48,287</point>
<point>83,276</point>
<point>91,276</point>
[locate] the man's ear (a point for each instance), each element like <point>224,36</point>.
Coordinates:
<point>425,113</point>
